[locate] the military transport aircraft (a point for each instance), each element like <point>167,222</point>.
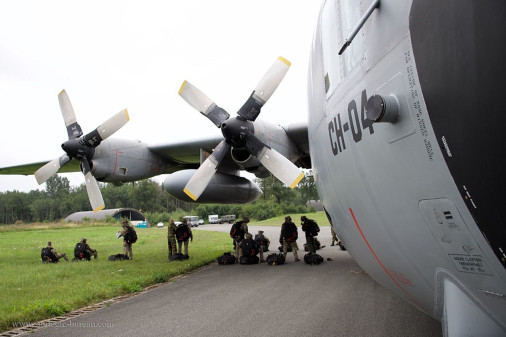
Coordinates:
<point>404,139</point>
<point>257,146</point>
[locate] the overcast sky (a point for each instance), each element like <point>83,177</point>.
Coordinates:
<point>111,55</point>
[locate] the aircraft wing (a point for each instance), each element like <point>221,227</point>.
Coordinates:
<point>297,132</point>
<point>185,152</point>
<point>29,169</point>
<point>189,152</point>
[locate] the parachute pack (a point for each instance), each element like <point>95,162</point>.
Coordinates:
<point>275,259</point>
<point>48,256</point>
<point>226,258</point>
<point>182,233</point>
<point>80,251</point>
<point>249,247</point>
<point>131,235</point>
<point>289,232</point>
<point>313,259</point>
<point>236,230</point>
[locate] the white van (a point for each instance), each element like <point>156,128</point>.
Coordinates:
<point>214,218</point>
<point>192,220</point>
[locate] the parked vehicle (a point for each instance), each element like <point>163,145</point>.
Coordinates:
<point>214,218</point>
<point>192,220</point>
<point>227,218</point>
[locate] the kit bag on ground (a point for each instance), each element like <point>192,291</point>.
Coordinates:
<point>80,252</point>
<point>249,259</point>
<point>316,245</point>
<point>275,259</point>
<point>182,233</point>
<point>313,259</point>
<point>118,257</point>
<point>178,257</point>
<point>226,258</point>
<point>47,256</point>
<point>131,235</point>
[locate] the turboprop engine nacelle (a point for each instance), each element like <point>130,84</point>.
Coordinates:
<point>222,189</point>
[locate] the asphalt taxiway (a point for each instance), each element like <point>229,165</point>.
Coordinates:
<point>335,298</point>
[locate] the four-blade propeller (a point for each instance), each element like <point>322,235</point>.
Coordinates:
<point>82,148</point>
<point>239,131</point>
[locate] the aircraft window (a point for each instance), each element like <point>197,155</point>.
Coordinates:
<point>122,171</point>
<point>330,46</point>
<point>350,16</point>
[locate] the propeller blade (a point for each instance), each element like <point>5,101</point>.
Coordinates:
<point>107,128</point>
<point>199,181</point>
<point>94,194</point>
<point>264,89</point>
<point>199,101</point>
<point>69,117</point>
<point>46,171</point>
<point>275,162</point>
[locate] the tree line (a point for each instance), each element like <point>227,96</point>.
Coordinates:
<point>59,199</point>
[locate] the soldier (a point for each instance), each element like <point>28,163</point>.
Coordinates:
<point>237,232</point>
<point>334,236</point>
<point>288,236</point>
<point>172,239</point>
<point>49,254</point>
<point>84,251</point>
<point>263,243</point>
<point>183,233</point>
<point>310,227</point>
<point>127,232</point>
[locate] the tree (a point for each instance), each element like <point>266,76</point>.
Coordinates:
<point>57,186</point>
<point>307,187</point>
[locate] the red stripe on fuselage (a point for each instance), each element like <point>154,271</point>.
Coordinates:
<point>379,261</point>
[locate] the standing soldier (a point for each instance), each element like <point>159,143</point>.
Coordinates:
<point>129,237</point>
<point>310,227</point>
<point>237,232</point>
<point>262,242</point>
<point>288,236</point>
<point>172,239</point>
<point>334,236</point>
<point>183,233</point>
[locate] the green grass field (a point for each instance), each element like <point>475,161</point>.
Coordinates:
<point>31,291</point>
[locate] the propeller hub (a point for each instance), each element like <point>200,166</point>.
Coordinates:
<point>236,129</point>
<point>76,148</point>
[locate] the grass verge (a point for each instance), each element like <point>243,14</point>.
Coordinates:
<point>31,291</point>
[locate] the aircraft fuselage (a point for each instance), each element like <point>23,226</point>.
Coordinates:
<point>412,198</point>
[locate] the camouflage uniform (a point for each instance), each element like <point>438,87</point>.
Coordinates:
<point>238,239</point>
<point>171,237</point>
<point>88,249</point>
<point>334,236</point>
<point>58,255</point>
<point>261,241</point>
<point>127,247</point>
<point>310,227</point>
<point>291,240</point>
<point>180,243</point>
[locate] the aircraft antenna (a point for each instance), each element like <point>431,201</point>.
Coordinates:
<point>375,4</point>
